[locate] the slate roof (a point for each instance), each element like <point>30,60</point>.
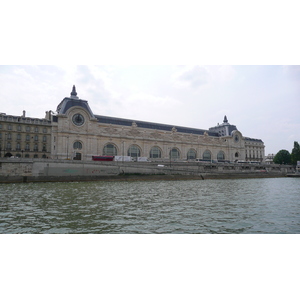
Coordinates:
<point>67,103</point>
<point>151,125</point>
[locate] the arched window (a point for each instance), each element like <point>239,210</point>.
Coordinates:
<point>110,150</point>
<point>77,145</point>
<point>191,154</point>
<point>174,154</point>
<point>237,154</point>
<point>221,156</point>
<point>134,151</point>
<point>155,152</point>
<point>207,155</point>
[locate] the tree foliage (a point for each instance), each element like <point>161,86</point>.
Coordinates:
<point>282,157</point>
<point>295,155</point>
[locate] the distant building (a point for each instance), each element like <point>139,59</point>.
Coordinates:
<point>269,158</point>
<point>21,136</point>
<point>75,132</point>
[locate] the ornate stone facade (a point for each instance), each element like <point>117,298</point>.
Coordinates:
<point>74,132</point>
<point>100,135</point>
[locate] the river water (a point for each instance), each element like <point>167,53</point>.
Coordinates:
<point>236,206</point>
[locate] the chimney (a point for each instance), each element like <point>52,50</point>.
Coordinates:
<point>24,113</point>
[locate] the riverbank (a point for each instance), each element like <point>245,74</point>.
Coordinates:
<point>25,170</point>
<point>293,175</point>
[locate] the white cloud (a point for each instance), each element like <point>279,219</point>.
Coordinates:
<point>194,77</point>
<point>225,73</point>
<point>145,107</point>
<point>293,70</point>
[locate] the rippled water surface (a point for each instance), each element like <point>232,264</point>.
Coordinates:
<point>208,206</point>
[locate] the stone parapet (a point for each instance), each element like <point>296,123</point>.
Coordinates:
<point>23,170</point>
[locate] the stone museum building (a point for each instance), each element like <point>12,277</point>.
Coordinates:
<point>75,132</point>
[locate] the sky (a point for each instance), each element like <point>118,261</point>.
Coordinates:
<point>263,101</point>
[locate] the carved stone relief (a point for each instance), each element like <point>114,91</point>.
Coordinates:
<point>111,130</point>
<point>155,135</point>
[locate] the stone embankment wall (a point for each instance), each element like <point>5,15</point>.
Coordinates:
<point>26,170</point>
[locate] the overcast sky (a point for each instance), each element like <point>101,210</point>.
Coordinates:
<point>262,101</point>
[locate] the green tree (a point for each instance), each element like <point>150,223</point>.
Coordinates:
<point>295,155</point>
<point>282,157</point>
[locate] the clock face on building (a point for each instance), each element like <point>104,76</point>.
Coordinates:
<point>78,119</point>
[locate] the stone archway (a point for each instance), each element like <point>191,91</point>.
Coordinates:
<point>77,156</point>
